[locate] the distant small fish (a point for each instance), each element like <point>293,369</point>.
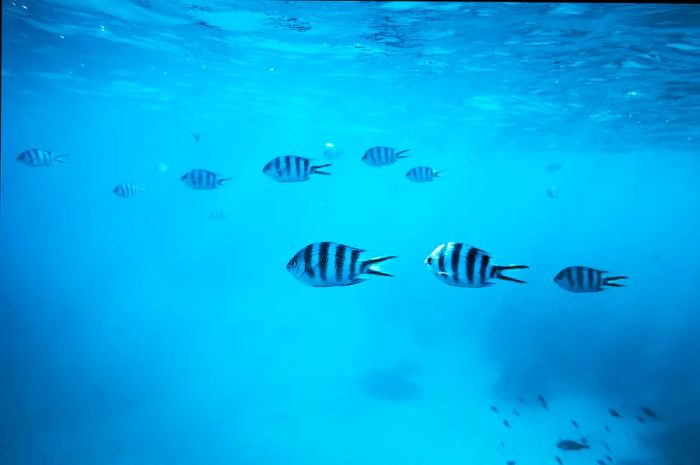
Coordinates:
<point>494,408</point>
<point>218,216</point>
<point>614,413</point>
<point>600,462</point>
<point>607,428</point>
<point>543,402</point>
<point>382,156</point>
<point>522,401</point>
<point>516,413</point>
<point>510,462</point>
<point>126,189</point>
<point>160,167</point>
<point>502,445</point>
<point>585,279</point>
<point>558,460</point>
<point>291,168</point>
<point>37,157</point>
<point>567,444</point>
<point>607,447</point>
<point>200,179</point>
<point>462,265</point>
<point>553,167</point>
<point>326,264</point>
<point>573,422</point>
<point>608,458</point>
<point>423,174</point>
<point>506,423</point>
<point>195,136</point>
<point>552,192</point>
<point>584,441</point>
<point>331,151</point>
<point>650,413</point>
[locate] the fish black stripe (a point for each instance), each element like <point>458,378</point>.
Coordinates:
<point>354,257</point>
<point>339,262</point>
<point>287,166</point>
<point>570,277</point>
<point>471,262</point>
<point>485,259</point>
<point>278,164</point>
<point>323,260</point>
<point>579,277</point>
<point>455,261</point>
<point>306,166</point>
<point>307,260</point>
<point>591,279</point>
<point>441,261</point>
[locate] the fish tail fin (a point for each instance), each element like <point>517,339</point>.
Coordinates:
<point>398,154</point>
<point>317,169</point>
<point>60,158</point>
<point>220,182</point>
<point>498,270</point>
<point>367,266</point>
<point>608,281</point>
<point>438,174</point>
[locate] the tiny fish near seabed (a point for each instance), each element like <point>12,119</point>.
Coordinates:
<point>461,265</point>
<point>327,264</point>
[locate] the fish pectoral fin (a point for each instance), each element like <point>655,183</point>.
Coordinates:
<point>442,273</point>
<point>356,281</point>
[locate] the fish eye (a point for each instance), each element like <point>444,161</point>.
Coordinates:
<point>293,263</point>
<point>430,260</point>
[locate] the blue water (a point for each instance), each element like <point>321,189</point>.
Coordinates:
<point>164,328</point>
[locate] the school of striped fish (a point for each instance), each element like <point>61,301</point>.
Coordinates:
<point>331,264</point>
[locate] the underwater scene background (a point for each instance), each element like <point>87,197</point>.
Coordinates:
<point>146,321</point>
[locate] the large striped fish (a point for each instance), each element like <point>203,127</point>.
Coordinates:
<point>202,179</point>
<point>291,168</point>
<point>423,174</point>
<point>585,279</point>
<point>126,189</point>
<point>381,156</point>
<point>461,265</point>
<point>326,264</point>
<point>36,157</point>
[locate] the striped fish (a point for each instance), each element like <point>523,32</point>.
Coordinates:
<point>126,189</point>
<point>326,264</point>
<point>423,174</point>
<point>202,179</point>
<point>461,265</point>
<point>36,157</point>
<point>585,279</point>
<point>381,156</point>
<point>218,216</point>
<point>291,168</point>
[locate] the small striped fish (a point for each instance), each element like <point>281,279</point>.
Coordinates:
<point>202,179</point>
<point>218,216</point>
<point>326,264</point>
<point>36,157</point>
<point>585,279</point>
<point>381,156</point>
<point>126,189</point>
<point>423,174</point>
<point>461,265</point>
<point>291,168</point>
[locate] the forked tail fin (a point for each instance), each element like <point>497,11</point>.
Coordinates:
<point>608,281</point>
<point>60,158</point>
<point>220,182</point>
<point>317,169</point>
<point>398,154</point>
<point>498,270</point>
<point>367,266</point>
